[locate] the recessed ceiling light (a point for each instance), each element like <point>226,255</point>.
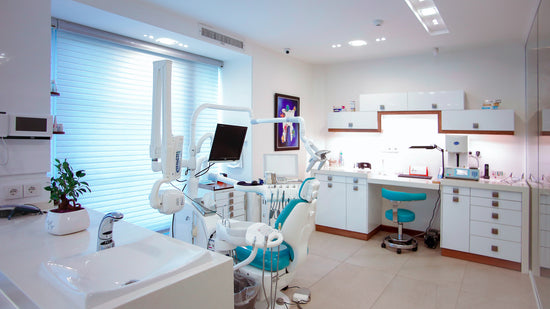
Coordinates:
<point>151,37</point>
<point>357,43</point>
<point>380,39</point>
<point>167,41</point>
<point>427,13</point>
<point>336,45</point>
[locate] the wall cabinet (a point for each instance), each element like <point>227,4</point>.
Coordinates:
<point>435,100</point>
<point>478,121</point>
<point>483,222</point>
<point>366,121</point>
<point>395,101</point>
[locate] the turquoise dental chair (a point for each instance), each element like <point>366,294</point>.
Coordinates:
<point>398,215</point>
<point>296,222</point>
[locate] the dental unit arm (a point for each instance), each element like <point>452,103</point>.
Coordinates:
<point>168,148</point>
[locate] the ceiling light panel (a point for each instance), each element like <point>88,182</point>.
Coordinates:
<point>427,13</point>
<point>357,43</point>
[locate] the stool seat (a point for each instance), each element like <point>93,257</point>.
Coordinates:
<point>402,196</point>
<point>403,215</point>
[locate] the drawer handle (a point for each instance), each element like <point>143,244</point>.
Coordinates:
<point>475,125</point>
<point>382,107</point>
<point>355,180</point>
<point>231,215</point>
<point>434,105</point>
<point>495,194</point>
<point>355,188</point>
<point>350,124</point>
<point>230,208</point>
<point>455,199</point>
<point>231,194</point>
<point>329,185</point>
<point>494,231</point>
<point>456,191</point>
<point>494,215</point>
<point>494,248</point>
<point>231,201</point>
<point>329,177</point>
<point>495,203</point>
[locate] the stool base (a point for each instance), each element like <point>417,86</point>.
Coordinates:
<point>406,242</point>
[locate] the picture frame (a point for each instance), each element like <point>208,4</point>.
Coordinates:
<point>287,135</point>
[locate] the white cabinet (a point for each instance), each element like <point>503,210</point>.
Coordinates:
<point>435,100</point>
<point>229,202</point>
<point>331,202</point>
<point>394,101</point>
<point>353,120</point>
<point>343,204</point>
<point>455,218</point>
<point>356,202</point>
<point>482,221</point>
<point>477,121</point>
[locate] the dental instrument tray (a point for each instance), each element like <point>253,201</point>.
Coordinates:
<point>462,173</point>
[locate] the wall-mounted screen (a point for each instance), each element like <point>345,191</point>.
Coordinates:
<point>228,143</point>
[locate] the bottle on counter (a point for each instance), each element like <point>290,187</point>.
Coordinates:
<point>340,159</point>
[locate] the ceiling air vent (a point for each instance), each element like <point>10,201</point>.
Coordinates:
<point>222,38</point>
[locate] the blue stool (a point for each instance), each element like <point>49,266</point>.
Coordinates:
<point>400,215</point>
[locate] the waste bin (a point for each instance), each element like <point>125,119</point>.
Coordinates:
<point>245,290</point>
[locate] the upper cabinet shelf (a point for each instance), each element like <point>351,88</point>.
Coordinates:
<point>412,101</point>
<point>478,122</point>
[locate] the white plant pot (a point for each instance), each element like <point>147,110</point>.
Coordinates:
<point>63,223</point>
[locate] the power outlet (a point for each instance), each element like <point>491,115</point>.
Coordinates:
<point>13,192</point>
<point>31,190</point>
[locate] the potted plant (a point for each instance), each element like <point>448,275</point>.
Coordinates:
<point>69,216</point>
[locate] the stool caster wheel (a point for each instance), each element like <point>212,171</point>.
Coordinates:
<point>383,245</point>
<point>415,248</point>
<point>398,251</point>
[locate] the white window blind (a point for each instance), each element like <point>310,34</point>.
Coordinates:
<point>105,107</point>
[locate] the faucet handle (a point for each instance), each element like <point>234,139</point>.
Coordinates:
<point>115,215</point>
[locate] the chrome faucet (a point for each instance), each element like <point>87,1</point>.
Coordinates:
<point>105,231</point>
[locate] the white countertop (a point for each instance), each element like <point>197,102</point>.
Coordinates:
<point>374,177</point>
<point>26,245</point>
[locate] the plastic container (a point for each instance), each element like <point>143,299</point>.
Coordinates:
<point>245,291</point>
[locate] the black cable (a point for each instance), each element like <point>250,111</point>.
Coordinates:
<point>204,170</point>
<point>437,202</point>
<point>173,219</point>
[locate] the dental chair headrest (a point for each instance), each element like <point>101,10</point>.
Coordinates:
<point>309,189</point>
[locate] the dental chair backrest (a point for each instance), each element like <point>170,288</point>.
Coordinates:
<point>297,221</point>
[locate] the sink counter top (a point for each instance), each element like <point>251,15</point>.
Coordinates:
<point>26,246</point>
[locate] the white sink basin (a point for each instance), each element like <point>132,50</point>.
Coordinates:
<point>100,276</point>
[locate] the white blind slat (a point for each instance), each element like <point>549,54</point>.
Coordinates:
<point>105,108</point>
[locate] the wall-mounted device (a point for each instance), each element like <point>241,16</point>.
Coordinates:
<point>25,125</point>
<point>462,173</point>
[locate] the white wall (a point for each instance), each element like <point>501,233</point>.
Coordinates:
<point>483,73</point>
<point>24,88</point>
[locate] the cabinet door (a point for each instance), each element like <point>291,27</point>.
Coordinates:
<point>395,101</point>
<point>331,205</point>
<point>477,121</point>
<point>356,215</point>
<point>455,222</point>
<point>435,100</point>
<point>355,120</point>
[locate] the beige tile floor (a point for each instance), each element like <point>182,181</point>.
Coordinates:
<point>349,273</point>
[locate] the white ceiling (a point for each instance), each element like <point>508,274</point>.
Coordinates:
<point>310,27</point>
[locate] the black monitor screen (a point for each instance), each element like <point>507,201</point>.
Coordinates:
<point>228,143</point>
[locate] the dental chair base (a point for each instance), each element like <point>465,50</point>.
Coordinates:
<point>406,242</point>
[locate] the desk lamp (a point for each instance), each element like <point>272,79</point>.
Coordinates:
<point>434,146</point>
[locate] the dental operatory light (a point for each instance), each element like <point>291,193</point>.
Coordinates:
<point>428,15</point>
<point>357,43</point>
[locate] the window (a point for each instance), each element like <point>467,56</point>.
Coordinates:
<point>105,107</point>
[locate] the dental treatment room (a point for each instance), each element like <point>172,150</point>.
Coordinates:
<point>275,154</point>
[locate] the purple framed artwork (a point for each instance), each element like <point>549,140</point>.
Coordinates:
<point>287,134</point>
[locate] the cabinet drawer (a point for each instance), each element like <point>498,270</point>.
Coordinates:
<point>230,201</point>
<point>456,190</point>
<point>218,195</point>
<point>501,216</point>
<point>544,209</point>
<point>544,222</point>
<point>545,199</point>
<point>356,181</point>
<point>330,178</point>
<point>544,238</point>
<point>495,203</point>
<point>500,249</point>
<point>495,231</point>
<point>226,211</point>
<point>495,194</point>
